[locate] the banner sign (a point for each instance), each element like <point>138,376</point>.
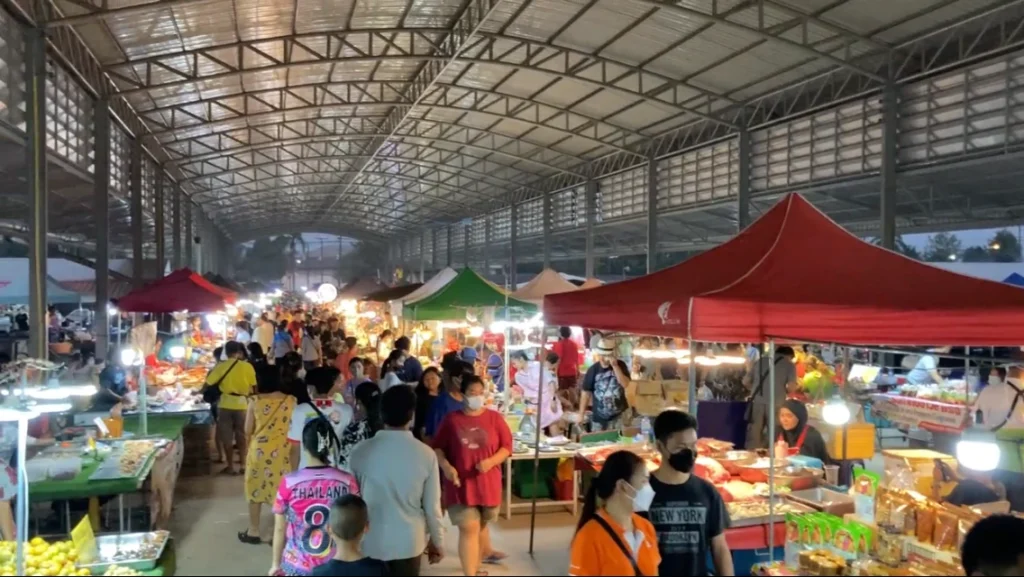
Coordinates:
<point>914,412</point>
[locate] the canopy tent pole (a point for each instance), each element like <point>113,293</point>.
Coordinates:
<point>771,446</point>
<point>536,448</point>
<point>691,401</point>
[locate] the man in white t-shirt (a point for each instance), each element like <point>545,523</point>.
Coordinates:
<point>997,400</point>
<point>322,381</point>
<point>926,370</point>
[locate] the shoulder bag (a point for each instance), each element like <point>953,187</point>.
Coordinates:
<point>211,392</point>
<point>618,541</point>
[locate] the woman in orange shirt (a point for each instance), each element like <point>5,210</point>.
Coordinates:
<point>611,539</point>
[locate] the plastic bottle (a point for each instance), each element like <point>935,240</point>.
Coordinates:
<point>646,430</point>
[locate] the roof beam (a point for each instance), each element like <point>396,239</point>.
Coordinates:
<point>223,108</point>
<point>188,163</point>
<point>761,31</point>
<point>338,127</point>
<point>100,13</point>
<point>333,163</point>
<point>235,196</point>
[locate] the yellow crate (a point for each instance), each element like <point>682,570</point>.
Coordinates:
<point>861,443</point>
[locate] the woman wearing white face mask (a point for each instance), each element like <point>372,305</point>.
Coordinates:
<point>471,445</point>
<point>611,539</point>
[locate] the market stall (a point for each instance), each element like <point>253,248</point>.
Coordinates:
<point>70,470</point>
<point>547,282</point>
<point>466,292</point>
<point>434,284</point>
<point>759,287</point>
<point>359,288</point>
<point>393,293</point>
<point>179,291</point>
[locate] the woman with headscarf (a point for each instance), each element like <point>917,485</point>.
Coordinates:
<point>800,438</point>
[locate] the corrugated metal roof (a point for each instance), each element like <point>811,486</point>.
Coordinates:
<point>473,101</point>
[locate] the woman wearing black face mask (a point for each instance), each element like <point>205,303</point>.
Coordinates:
<point>688,514</point>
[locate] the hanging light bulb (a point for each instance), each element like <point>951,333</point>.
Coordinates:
<point>128,356</point>
<point>835,412</point>
<point>977,450</point>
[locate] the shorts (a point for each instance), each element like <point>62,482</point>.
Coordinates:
<point>231,428</point>
<point>460,514</point>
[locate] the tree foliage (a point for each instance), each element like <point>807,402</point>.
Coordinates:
<point>270,258</point>
<point>901,247</point>
<point>1004,246</point>
<point>942,246</point>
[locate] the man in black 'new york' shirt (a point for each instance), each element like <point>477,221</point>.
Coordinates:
<point>687,512</point>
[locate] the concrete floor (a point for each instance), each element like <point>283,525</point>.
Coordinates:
<point>209,512</point>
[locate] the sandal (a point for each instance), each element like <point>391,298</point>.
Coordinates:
<point>248,539</point>
<point>495,558</point>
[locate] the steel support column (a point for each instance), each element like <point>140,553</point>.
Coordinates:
<point>434,257</point>
<point>38,189</point>
<point>546,207</point>
<point>101,214</point>
<point>423,256</point>
<point>160,225</point>
<point>652,214</point>
<point>743,186</point>
<point>890,123</point>
<point>176,231</point>
<point>487,245</point>
<point>135,196</point>
<point>448,249</point>
<point>187,234</point>
<point>591,218</point>
<point>513,266</point>
<point>466,252</point>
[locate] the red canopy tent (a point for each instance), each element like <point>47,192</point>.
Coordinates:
<point>796,274</point>
<point>180,290</point>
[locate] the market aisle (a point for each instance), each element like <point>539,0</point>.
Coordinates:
<point>209,512</point>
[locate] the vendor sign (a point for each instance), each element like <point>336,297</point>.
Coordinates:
<point>914,412</point>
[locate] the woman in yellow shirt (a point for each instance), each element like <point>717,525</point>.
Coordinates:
<point>236,379</point>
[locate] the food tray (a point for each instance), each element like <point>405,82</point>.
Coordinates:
<point>781,508</point>
<point>139,551</point>
<point>823,499</point>
<point>111,468</point>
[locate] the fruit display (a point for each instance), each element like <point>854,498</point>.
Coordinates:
<point>818,378</point>
<point>952,393</point>
<point>41,558</point>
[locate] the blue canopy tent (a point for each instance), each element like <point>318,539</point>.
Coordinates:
<point>1014,279</point>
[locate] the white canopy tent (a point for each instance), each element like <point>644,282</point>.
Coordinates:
<point>547,282</point>
<point>436,283</point>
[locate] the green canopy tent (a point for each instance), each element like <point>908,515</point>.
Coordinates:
<point>467,290</point>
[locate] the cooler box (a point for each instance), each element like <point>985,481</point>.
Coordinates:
<point>860,443</point>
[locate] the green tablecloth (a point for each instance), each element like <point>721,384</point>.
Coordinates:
<point>166,426</point>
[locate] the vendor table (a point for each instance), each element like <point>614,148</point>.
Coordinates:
<point>201,416</point>
<point>562,454</point>
<point>162,468</point>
